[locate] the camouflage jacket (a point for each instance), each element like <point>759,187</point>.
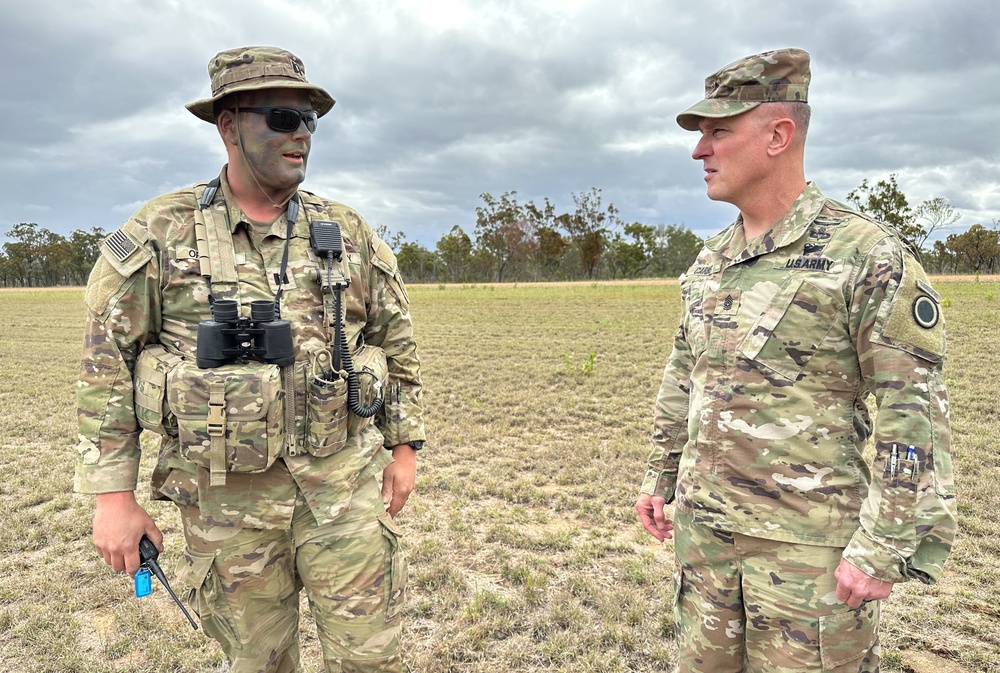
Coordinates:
<point>146,288</point>
<point>761,420</point>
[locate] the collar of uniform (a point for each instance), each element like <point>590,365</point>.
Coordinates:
<point>236,215</point>
<point>732,244</point>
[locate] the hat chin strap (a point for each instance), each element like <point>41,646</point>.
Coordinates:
<point>250,167</point>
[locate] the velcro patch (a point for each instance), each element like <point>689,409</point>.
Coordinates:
<point>125,252</point>
<point>913,322</point>
<point>120,245</point>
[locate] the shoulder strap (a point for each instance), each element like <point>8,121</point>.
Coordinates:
<point>216,254</point>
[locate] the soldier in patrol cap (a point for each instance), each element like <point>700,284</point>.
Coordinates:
<point>786,538</point>
<point>285,479</point>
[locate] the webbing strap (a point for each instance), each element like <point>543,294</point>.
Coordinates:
<point>217,432</point>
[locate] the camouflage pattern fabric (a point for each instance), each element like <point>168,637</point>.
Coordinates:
<point>245,586</point>
<point>762,417</point>
<point>771,77</point>
<point>255,68</point>
<point>746,603</point>
<point>147,288</point>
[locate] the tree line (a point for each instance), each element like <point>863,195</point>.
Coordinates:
<point>37,257</point>
<point>974,251</point>
<point>515,241</point>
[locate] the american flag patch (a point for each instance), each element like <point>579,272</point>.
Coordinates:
<point>120,245</point>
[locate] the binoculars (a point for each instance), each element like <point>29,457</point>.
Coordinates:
<point>228,337</point>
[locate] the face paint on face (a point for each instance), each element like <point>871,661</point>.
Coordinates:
<point>277,160</point>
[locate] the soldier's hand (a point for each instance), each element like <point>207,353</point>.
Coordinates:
<point>854,587</point>
<point>650,509</point>
<point>119,524</point>
<point>398,478</point>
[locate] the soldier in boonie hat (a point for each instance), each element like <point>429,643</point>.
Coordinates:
<point>255,68</point>
<point>769,77</point>
<point>274,500</point>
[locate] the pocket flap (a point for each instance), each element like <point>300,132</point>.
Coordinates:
<point>847,636</point>
<point>194,568</point>
<point>248,392</point>
<point>764,327</point>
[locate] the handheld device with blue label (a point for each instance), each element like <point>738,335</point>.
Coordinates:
<point>143,583</point>
<point>148,553</point>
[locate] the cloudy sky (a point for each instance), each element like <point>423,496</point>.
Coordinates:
<point>439,101</point>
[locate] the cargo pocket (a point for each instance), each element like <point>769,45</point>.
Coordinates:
<point>202,590</point>
<point>396,568</point>
<point>150,395</point>
<point>230,418</point>
<point>846,637</point>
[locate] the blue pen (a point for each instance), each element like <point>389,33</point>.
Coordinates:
<point>911,453</point>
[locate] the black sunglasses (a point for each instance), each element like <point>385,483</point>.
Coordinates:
<point>285,119</point>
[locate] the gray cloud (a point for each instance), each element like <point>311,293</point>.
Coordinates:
<point>439,102</point>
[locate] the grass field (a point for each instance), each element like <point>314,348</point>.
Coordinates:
<point>525,552</point>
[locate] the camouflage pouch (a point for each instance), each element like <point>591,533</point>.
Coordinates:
<point>229,418</point>
<point>150,396</point>
<point>326,411</point>
<point>329,421</point>
<point>373,371</point>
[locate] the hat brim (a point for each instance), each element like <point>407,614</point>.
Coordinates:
<point>713,108</point>
<point>320,100</point>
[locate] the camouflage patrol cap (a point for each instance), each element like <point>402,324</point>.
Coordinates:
<point>772,76</point>
<point>255,68</point>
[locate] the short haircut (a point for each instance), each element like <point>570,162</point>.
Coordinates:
<point>798,111</point>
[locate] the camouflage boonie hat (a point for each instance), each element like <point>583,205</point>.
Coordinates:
<point>773,76</point>
<point>254,68</point>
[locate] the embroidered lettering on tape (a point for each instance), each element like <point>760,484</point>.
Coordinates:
<point>806,262</point>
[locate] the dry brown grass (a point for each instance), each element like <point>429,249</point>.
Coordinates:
<point>525,553</point>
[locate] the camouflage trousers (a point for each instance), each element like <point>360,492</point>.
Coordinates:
<point>749,604</point>
<point>244,584</point>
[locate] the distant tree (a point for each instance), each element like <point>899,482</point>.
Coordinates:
<point>550,246</point>
<point>676,248</point>
<point>416,263</point>
<point>455,252</point>
<point>22,252</point>
<point>588,226</point>
<point>551,251</point>
<point>942,258</point>
<point>978,247</point>
<point>887,203</point>
<point>630,255</point>
<point>394,240</point>
<point>503,231</point>
<point>85,252</point>
<point>935,215</point>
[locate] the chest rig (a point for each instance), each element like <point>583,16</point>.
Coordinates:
<point>260,336</point>
<point>228,336</point>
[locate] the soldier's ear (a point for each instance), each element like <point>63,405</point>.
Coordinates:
<point>782,136</point>
<point>226,123</point>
